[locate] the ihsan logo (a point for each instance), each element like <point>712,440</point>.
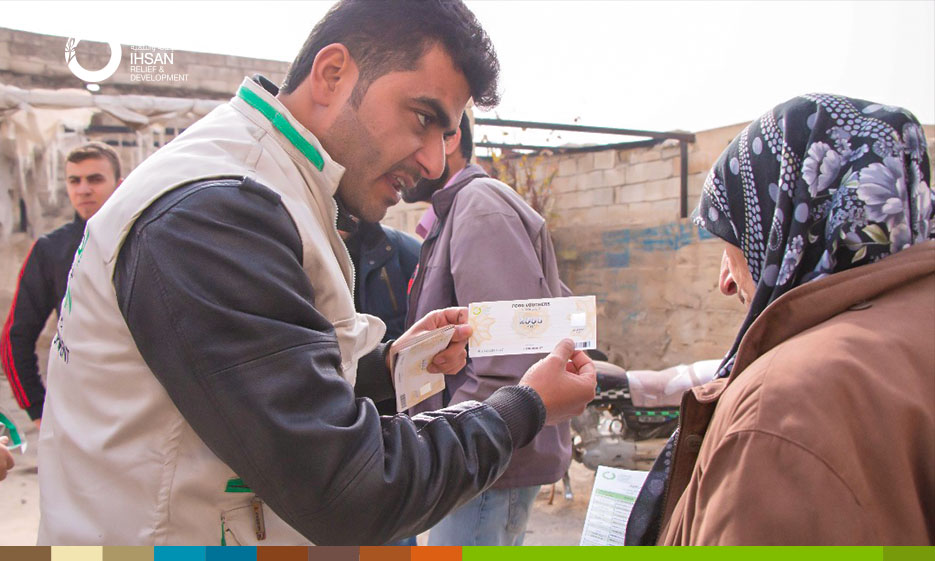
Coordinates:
<point>92,76</point>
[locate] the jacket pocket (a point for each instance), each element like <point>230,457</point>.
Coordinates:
<point>391,293</point>
<point>256,524</point>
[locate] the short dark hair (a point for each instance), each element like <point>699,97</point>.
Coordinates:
<point>95,150</point>
<point>386,36</point>
<point>467,138</point>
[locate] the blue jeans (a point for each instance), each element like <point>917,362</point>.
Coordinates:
<point>495,517</point>
<point>405,541</point>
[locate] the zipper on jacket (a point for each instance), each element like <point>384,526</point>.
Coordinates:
<point>344,245</point>
<point>667,485</point>
<point>389,288</point>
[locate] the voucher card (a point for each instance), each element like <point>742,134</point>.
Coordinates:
<point>513,327</point>
<point>413,381</point>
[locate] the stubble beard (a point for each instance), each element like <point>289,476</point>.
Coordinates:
<point>352,146</point>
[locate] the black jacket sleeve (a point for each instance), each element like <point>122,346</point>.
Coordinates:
<point>32,305</point>
<point>210,282</point>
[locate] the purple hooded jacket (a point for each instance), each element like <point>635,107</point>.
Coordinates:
<point>488,245</point>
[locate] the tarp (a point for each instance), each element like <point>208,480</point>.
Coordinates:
<point>33,142</point>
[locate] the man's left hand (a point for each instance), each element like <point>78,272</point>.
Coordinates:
<point>454,357</point>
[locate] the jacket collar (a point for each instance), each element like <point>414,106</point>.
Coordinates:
<point>256,98</point>
<point>814,302</point>
<point>371,234</point>
<point>444,198</point>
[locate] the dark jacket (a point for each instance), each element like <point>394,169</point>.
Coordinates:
<point>824,433</point>
<point>259,360</point>
<point>384,261</point>
<point>488,245</point>
<point>40,290</point>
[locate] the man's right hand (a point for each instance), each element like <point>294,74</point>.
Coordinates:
<point>565,381</point>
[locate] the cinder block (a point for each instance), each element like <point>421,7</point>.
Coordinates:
<point>32,39</point>
<point>602,197</point>
<point>567,166</point>
<point>671,152</point>
<point>630,193</point>
<point>200,72</point>
<point>585,163</point>
<point>663,189</point>
<point>649,171</point>
<point>698,163</point>
<point>26,66</point>
<point>614,215</point>
<point>649,191</point>
<point>211,59</point>
<point>218,85</point>
<point>616,176</point>
<point>565,217</point>
<point>642,155</point>
<point>20,49</point>
<point>224,73</point>
<point>695,186</point>
<point>562,184</point>
<point>276,77</point>
<point>592,180</point>
<point>275,66</point>
<point>606,159</point>
<point>576,199</point>
<point>655,212</point>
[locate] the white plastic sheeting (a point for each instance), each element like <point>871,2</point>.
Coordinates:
<point>33,142</point>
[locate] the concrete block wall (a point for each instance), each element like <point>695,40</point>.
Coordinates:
<point>634,186</point>
<point>618,235</point>
<point>656,288</point>
<point>33,60</point>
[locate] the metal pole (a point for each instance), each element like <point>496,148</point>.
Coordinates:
<point>683,157</point>
<point>580,128</point>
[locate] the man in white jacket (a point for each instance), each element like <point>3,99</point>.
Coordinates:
<point>203,376</point>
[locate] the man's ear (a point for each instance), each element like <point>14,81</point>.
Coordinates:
<point>333,76</point>
<point>453,143</point>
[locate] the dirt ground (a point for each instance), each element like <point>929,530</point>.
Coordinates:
<point>19,492</point>
<point>559,523</point>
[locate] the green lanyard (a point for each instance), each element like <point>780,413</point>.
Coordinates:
<point>16,440</point>
<point>283,125</point>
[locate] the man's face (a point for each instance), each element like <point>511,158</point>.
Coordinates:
<point>89,183</point>
<point>396,136</point>
<point>735,275</point>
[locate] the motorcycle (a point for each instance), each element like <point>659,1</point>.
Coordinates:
<point>632,415</point>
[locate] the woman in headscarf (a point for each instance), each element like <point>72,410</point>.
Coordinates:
<point>820,428</point>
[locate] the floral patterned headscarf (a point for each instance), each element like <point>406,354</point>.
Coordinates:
<point>818,185</point>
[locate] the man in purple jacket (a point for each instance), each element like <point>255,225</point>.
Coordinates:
<point>484,243</point>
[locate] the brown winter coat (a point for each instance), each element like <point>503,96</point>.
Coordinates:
<point>825,431</point>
